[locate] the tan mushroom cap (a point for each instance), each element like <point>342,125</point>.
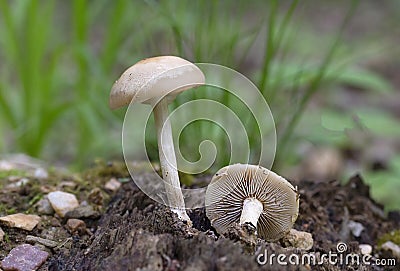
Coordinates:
<point>150,79</point>
<point>231,185</point>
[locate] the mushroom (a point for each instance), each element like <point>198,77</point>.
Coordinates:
<point>256,198</point>
<point>157,81</point>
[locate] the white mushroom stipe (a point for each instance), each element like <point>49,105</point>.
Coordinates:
<point>252,209</point>
<point>168,160</point>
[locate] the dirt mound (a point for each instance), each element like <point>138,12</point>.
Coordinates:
<point>137,233</point>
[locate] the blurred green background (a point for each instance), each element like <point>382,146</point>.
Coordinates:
<point>329,71</point>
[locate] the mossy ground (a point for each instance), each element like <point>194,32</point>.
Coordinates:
<point>393,236</point>
<point>22,198</point>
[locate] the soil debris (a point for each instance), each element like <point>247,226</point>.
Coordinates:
<point>298,239</point>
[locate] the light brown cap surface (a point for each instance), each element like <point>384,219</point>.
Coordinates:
<point>152,78</point>
<point>231,185</point>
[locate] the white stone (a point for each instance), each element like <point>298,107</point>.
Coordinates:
<point>392,247</point>
<point>41,173</point>
<point>365,249</point>
<point>112,185</point>
<point>62,202</point>
<point>21,221</point>
<point>356,228</point>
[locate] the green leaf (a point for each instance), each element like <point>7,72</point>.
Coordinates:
<point>336,121</point>
<point>384,188</point>
<point>379,122</point>
<point>365,79</point>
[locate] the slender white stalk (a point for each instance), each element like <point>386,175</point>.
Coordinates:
<point>168,160</point>
<point>252,209</point>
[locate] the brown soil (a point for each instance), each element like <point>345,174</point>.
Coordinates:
<point>136,233</point>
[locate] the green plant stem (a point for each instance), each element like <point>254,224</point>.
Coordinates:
<point>269,47</point>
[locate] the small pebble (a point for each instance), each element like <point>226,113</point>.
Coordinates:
<point>21,221</point>
<point>298,239</point>
<point>62,202</point>
<point>83,211</point>
<point>67,184</point>
<point>24,258</point>
<point>42,241</point>
<point>356,228</point>
<point>76,225</point>
<point>112,185</point>
<point>41,173</point>
<point>43,206</point>
<point>365,249</point>
<point>1,235</point>
<point>392,247</point>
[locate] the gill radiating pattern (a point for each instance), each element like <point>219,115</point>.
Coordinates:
<point>273,224</point>
<point>238,182</point>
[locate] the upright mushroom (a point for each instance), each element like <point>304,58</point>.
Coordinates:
<point>255,198</point>
<point>157,81</point>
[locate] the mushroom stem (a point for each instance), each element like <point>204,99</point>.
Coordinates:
<point>168,160</point>
<point>252,209</point>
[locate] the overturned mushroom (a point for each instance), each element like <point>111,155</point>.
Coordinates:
<point>253,197</point>
<point>156,81</point>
